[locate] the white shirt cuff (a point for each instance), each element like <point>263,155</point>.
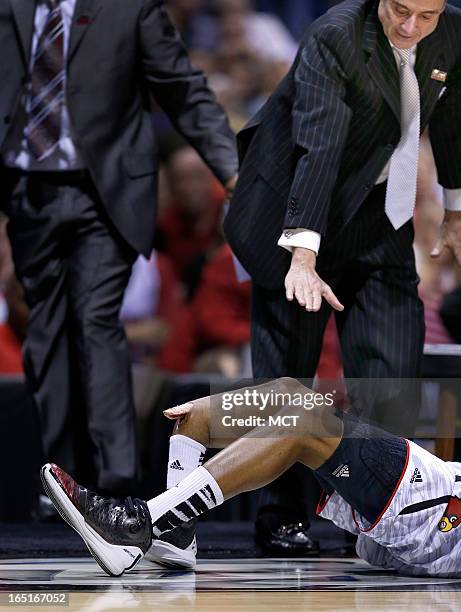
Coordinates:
<point>306,239</point>
<point>452,199</point>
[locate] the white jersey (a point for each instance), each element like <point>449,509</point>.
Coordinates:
<point>419,532</point>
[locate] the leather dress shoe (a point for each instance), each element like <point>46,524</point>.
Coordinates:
<point>280,533</point>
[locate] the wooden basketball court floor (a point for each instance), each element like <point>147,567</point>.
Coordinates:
<point>235,584</point>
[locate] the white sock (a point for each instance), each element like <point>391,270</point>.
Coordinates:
<point>185,456</point>
<point>193,496</point>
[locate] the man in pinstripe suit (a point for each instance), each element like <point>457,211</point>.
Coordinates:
<point>313,180</point>
<point>315,163</point>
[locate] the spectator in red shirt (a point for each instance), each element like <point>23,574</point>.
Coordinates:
<point>217,320</point>
<point>190,225</point>
<point>13,310</point>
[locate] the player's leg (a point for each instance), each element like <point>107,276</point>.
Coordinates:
<point>247,463</point>
<point>207,422</point>
<point>365,468</point>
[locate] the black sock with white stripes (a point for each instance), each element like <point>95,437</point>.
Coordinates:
<point>193,496</point>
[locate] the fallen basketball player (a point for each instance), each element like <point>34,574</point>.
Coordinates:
<point>403,503</point>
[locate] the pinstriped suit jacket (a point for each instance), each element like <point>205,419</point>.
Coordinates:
<point>313,152</point>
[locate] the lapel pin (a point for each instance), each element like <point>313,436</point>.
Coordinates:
<point>83,20</point>
<point>439,75</point>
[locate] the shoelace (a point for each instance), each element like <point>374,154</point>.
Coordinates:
<point>130,507</point>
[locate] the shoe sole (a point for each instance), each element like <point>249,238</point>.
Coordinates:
<point>171,556</point>
<point>112,558</point>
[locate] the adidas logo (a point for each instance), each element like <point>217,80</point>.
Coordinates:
<point>128,552</point>
<point>416,476</point>
<point>342,471</point>
<point>175,465</point>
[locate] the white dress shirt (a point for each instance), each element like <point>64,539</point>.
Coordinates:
<point>309,239</point>
<point>15,152</point>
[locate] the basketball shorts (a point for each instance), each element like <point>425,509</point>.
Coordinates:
<point>365,469</point>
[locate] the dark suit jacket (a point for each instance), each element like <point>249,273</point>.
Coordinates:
<point>120,52</point>
<point>312,154</point>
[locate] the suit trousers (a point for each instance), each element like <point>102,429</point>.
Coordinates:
<point>74,269</point>
<point>371,268</point>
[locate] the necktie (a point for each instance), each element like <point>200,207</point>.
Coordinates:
<point>403,170</point>
<point>43,127</point>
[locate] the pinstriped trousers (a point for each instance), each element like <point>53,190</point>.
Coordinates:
<point>371,268</point>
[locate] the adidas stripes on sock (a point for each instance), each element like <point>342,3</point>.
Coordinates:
<point>193,496</point>
<point>185,456</point>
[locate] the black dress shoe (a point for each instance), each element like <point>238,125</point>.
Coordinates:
<point>280,533</point>
<point>117,532</point>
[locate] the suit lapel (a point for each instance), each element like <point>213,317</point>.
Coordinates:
<point>24,12</point>
<point>381,64</point>
<point>429,56</point>
<point>84,14</point>
<point>383,69</point>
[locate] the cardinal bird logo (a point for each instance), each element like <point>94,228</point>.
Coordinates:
<point>452,515</point>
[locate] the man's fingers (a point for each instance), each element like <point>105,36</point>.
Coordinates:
<point>316,301</point>
<point>315,296</point>
<point>299,294</point>
<point>331,298</point>
<point>289,290</point>
<point>308,290</point>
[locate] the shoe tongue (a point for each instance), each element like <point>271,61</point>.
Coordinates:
<point>82,499</point>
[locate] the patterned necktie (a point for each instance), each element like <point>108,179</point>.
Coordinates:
<point>43,128</point>
<point>403,170</point>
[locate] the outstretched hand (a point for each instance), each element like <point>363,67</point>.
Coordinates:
<point>304,284</point>
<point>450,236</point>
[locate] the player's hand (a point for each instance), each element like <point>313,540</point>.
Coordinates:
<point>304,284</point>
<point>230,186</point>
<point>178,412</point>
<point>450,235</point>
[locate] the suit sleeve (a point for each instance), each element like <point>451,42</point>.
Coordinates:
<point>183,93</point>
<point>445,133</point>
<point>320,125</point>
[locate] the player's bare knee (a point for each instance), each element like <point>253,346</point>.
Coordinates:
<point>195,421</point>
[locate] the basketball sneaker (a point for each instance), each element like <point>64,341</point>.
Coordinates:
<point>176,548</point>
<point>117,532</point>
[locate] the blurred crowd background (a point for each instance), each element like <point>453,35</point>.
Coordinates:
<point>185,311</point>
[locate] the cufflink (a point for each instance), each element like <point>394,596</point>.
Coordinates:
<point>439,75</point>
<point>288,234</point>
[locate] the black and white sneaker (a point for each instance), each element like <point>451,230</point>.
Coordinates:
<point>117,532</point>
<point>176,548</point>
